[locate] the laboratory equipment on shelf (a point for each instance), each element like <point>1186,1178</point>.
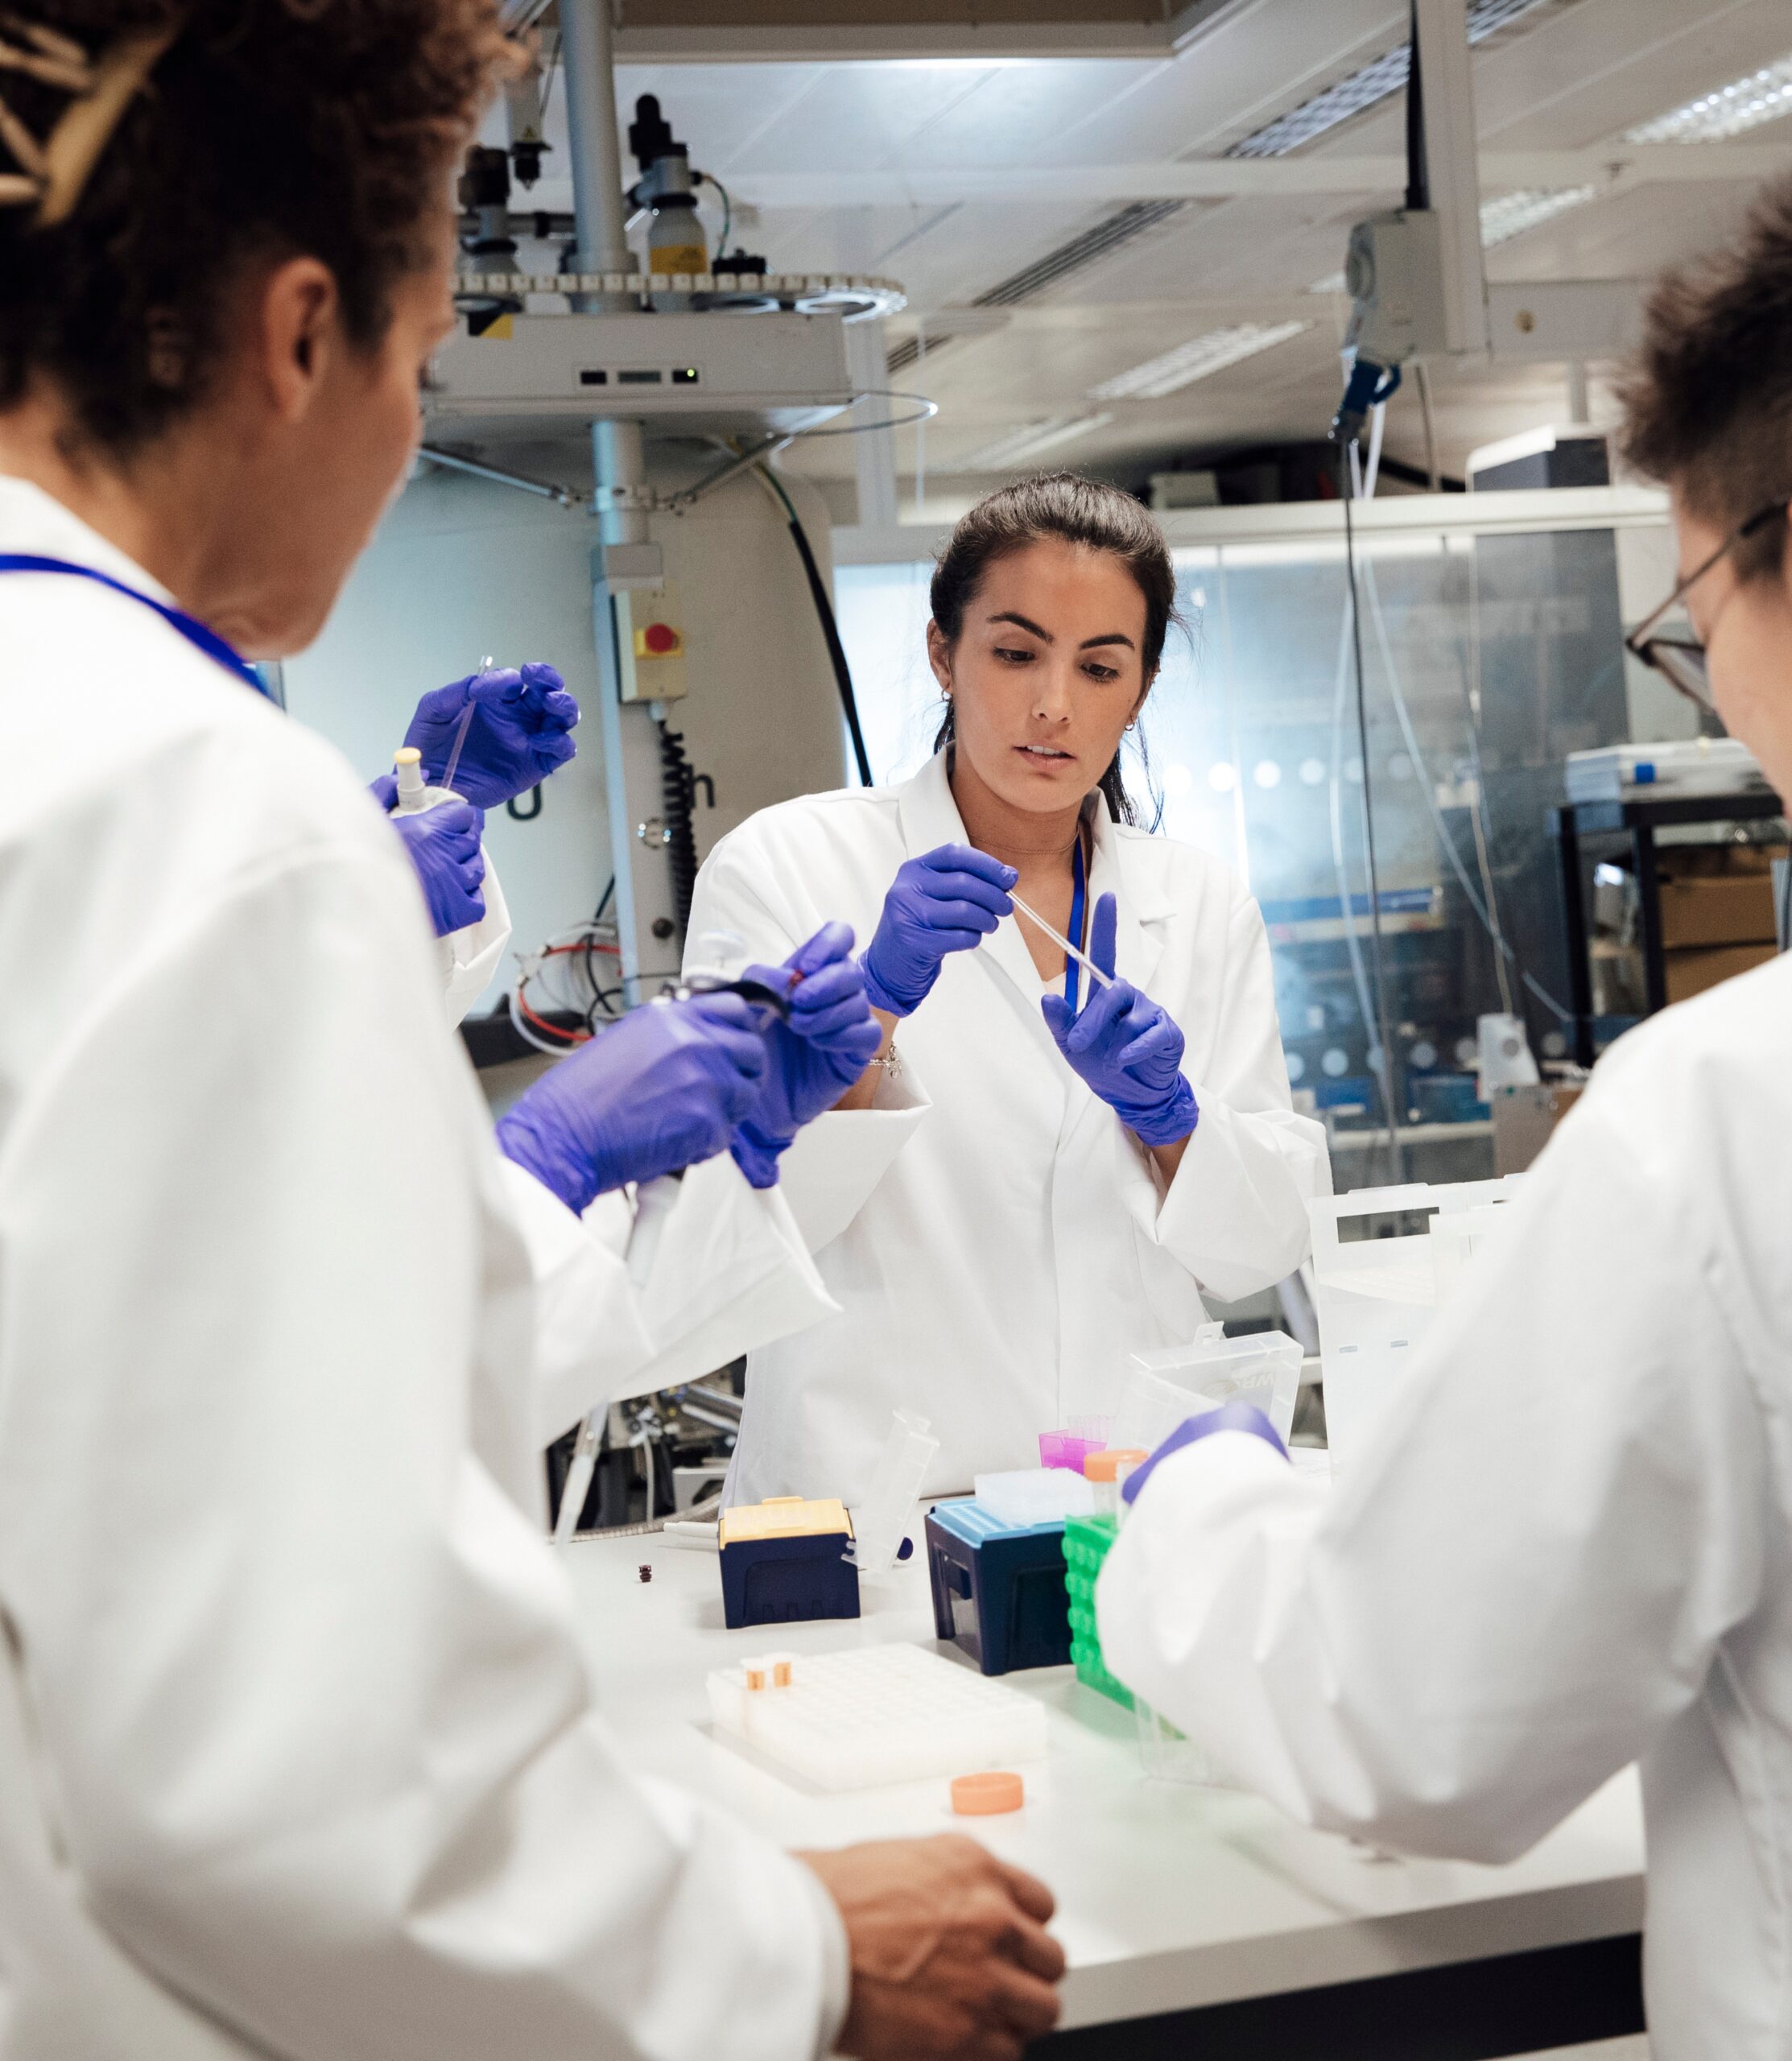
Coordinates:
<point>787,1560</point>
<point>998,1586</point>
<point>1073,1443</point>
<point>1687,766</point>
<point>875,1714</point>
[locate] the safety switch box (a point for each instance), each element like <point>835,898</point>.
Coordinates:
<point>650,643</point>
<point>1086,1540</point>
<point>998,1588</point>
<point>785,1561</point>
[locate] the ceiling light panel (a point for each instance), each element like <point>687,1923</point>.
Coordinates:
<point>1365,88</point>
<point>1030,441</point>
<point>1744,104</point>
<point>1512,214</point>
<point>1198,359</point>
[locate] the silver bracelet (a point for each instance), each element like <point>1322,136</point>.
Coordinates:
<point>888,1061</point>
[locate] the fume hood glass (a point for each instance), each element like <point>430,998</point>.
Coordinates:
<point>1488,653</point>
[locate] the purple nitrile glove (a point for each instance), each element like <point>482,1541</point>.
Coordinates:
<point>653,1094</point>
<point>1229,1417</point>
<point>947,900</point>
<point>1126,1047</point>
<point>442,844</point>
<point>813,1059</point>
<point>517,738</point>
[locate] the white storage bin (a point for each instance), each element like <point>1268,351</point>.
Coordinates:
<point>1375,1297</point>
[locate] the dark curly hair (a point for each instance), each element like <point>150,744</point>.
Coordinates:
<point>1707,403</point>
<point>1074,510</point>
<point>268,128</point>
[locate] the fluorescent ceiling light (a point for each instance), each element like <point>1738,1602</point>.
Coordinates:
<point>1028,442</point>
<point>1365,88</point>
<point>1763,96</point>
<point>1513,214</point>
<point>1332,282</point>
<point>1197,359</point>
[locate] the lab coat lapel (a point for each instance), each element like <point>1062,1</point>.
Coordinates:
<point>930,818</point>
<point>1130,871</point>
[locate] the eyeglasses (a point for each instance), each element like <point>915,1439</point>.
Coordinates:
<point>1677,653</point>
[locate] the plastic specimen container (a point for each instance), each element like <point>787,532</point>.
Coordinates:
<point>887,1515</point>
<point>878,1714</point>
<point>1070,1447</point>
<point>785,1561</point>
<point>1104,1471</point>
<point>1164,1389</point>
<point>1033,1495</point>
<point>998,1588</point>
<point>1086,1543</point>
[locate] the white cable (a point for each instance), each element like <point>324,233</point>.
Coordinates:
<point>1377,416</point>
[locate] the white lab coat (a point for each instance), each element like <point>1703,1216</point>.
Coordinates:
<point>1568,1545</point>
<point>998,1241</point>
<point>299,1753</point>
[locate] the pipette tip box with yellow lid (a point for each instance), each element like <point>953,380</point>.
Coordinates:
<point>786,1560</point>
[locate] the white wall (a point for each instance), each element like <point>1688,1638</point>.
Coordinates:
<point>461,569</point>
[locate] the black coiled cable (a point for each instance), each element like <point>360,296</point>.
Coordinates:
<point>678,792</point>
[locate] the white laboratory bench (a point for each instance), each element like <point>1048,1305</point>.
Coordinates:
<point>1172,1901</point>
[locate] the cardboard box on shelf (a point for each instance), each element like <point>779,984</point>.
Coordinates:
<point>1717,909</point>
<point>1691,971</point>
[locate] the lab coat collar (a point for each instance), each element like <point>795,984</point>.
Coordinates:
<point>33,521</point>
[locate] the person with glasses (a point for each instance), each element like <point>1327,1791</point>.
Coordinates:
<point>1567,1543</point>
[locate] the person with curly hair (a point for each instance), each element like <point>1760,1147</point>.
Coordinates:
<point>300,1750</point>
<point>1566,1547</point>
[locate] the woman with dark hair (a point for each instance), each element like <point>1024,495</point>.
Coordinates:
<point>299,1753</point>
<point>1042,1171</point>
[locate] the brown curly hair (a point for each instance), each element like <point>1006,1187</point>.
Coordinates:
<point>1708,403</point>
<point>268,128</point>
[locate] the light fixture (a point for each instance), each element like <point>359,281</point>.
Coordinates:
<point>1198,359</point>
<point>1365,88</point>
<point>1332,282</point>
<point>1744,104</point>
<point>1512,214</point>
<point>1028,441</point>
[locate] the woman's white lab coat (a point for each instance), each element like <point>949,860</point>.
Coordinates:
<point>298,1753</point>
<point>1568,1545</point>
<point>998,1242</point>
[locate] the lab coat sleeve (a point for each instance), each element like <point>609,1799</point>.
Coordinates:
<point>1235,1215</point>
<point>318,1739</point>
<point>470,958</point>
<point>835,1164</point>
<point>1525,1573</point>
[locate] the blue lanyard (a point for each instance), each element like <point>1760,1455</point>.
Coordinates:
<point>1076,937</point>
<point>195,633</point>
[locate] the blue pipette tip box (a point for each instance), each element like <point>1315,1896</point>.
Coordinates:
<point>998,1588</point>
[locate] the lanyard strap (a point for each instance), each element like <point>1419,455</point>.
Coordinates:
<point>195,633</point>
<point>1077,937</point>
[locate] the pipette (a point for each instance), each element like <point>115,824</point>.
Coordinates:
<point>467,715</point>
<point>1059,939</point>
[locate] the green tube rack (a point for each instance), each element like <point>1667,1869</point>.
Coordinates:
<point>1086,1540</point>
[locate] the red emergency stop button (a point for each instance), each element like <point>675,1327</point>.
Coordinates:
<point>660,639</point>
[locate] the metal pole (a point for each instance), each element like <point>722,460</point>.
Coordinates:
<point>589,56</point>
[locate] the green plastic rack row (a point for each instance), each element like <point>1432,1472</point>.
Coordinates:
<point>1086,1540</point>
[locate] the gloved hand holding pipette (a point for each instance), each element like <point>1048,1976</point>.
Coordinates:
<point>510,726</point>
<point>1126,1048</point>
<point>947,900</point>
<point>657,1092</point>
<point>831,1038</point>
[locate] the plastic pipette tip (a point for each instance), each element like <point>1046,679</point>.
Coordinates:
<point>987,1796</point>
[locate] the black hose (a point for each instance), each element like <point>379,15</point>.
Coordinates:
<point>678,797</point>
<point>837,651</point>
<point>1418,176</point>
